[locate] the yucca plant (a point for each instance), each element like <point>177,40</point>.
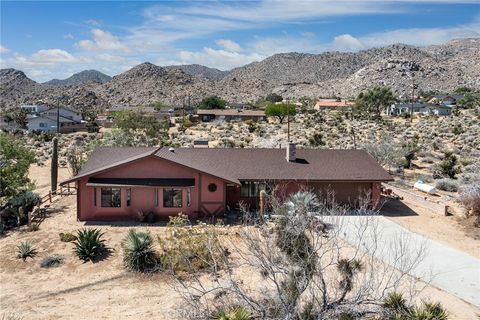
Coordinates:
<point>26,250</point>
<point>428,311</point>
<point>89,244</point>
<point>396,303</point>
<point>138,252</point>
<point>237,313</point>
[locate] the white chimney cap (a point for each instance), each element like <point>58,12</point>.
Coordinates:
<point>171,149</point>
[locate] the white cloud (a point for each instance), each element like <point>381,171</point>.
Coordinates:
<point>53,56</point>
<point>346,42</point>
<point>4,49</point>
<point>229,45</point>
<point>220,59</point>
<point>68,36</point>
<point>103,41</point>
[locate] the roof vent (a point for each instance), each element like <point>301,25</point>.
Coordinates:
<point>171,149</point>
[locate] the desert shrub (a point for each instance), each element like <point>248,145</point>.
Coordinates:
<point>447,185</point>
<point>52,261</point>
<point>470,198</point>
<point>189,249</point>
<point>236,313</point>
<point>26,250</point>
<point>15,212</point>
<point>448,167</point>
<point>89,244</point>
<point>34,226</point>
<point>428,311</point>
<point>138,252</point>
<point>67,237</point>
<point>11,316</point>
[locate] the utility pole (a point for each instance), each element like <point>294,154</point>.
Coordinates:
<point>58,115</point>
<point>413,99</point>
<point>288,121</point>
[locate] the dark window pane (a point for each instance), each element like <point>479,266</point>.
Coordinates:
<point>111,197</point>
<point>172,198</point>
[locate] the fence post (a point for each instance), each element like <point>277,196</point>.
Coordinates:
<point>50,195</point>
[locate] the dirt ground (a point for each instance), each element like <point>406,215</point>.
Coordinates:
<point>40,175</point>
<point>449,230</point>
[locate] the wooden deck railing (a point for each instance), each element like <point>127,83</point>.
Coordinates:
<point>39,213</point>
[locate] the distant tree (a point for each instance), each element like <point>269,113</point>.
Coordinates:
<point>142,127</point>
<point>273,97</point>
<point>280,110</point>
<point>470,100</point>
<point>462,90</point>
<point>17,115</point>
<point>375,100</point>
<point>212,102</point>
<point>15,160</point>
<point>448,167</point>
<point>159,105</point>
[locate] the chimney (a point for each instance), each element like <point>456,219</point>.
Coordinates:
<point>291,152</point>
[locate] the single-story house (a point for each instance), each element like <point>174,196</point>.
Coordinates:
<point>419,107</point>
<point>445,99</point>
<point>332,104</point>
<point>207,115</point>
<point>117,183</point>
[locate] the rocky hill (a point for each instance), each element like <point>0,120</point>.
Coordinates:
<point>441,68</point>
<point>80,78</point>
<point>200,71</point>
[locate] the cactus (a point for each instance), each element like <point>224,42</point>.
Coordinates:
<point>263,198</point>
<point>54,164</point>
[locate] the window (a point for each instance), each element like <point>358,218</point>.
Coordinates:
<point>129,197</point>
<point>189,197</point>
<point>251,188</point>
<point>95,197</point>
<point>172,198</point>
<point>156,197</point>
<point>212,187</point>
<point>42,125</point>
<point>111,197</point>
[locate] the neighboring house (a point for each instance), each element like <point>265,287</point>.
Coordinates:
<point>207,115</point>
<point>332,104</point>
<point>419,108</point>
<point>34,108</point>
<point>117,183</point>
<point>46,120</point>
<point>447,100</point>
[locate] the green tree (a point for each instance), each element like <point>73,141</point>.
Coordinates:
<point>462,90</point>
<point>143,128</point>
<point>375,100</point>
<point>15,160</point>
<point>470,100</point>
<point>273,97</point>
<point>212,102</point>
<point>17,115</point>
<point>280,110</point>
<point>159,105</point>
<point>448,167</point>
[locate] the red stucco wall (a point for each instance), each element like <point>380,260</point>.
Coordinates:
<point>143,197</point>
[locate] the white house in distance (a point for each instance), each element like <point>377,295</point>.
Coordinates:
<point>44,118</point>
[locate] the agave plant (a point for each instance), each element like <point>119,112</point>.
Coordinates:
<point>26,250</point>
<point>89,244</point>
<point>238,313</point>
<point>428,311</point>
<point>138,252</point>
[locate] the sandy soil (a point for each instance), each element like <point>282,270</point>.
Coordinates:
<point>101,290</point>
<point>448,230</point>
<point>40,175</point>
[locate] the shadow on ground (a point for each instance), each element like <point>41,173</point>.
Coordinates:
<point>396,208</point>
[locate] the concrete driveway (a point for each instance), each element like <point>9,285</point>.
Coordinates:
<point>448,269</point>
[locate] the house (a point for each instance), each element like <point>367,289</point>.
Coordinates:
<point>332,104</point>
<point>445,99</point>
<point>46,120</point>
<point>419,108</point>
<point>207,115</point>
<point>34,108</point>
<point>117,183</point>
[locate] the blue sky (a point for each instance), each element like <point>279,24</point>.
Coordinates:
<point>58,38</point>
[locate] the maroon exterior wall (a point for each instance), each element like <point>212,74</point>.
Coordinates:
<point>203,201</point>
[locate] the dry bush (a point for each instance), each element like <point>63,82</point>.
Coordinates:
<point>292,269</point>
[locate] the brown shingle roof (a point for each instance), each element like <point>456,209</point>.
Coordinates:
<point>253,164</point>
